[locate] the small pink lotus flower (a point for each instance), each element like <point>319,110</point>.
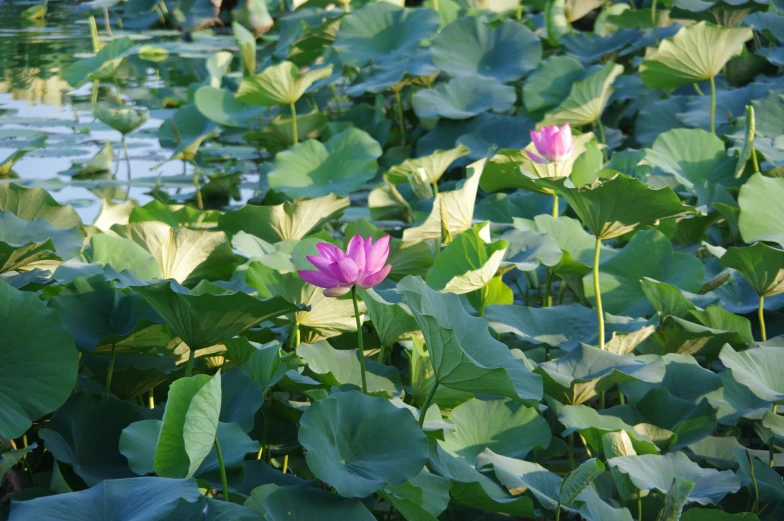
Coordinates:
<point>362,264</point>
<point>552,143</point>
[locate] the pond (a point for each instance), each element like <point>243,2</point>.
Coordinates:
<point>35,99</point>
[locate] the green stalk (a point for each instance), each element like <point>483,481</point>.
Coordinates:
<point>224,481</point>
<point>713,106</point>
<point>597,290</point>
<point>760,312</point>
<point>548,297</point>
<point>555,206</point>
<point>571,451</point>
<point>426,405</point>
<point>199,200</point>
<point>127,159</point>
<point>106,21</point>
<point>653,22</point>
<point>111,371</point>
<point>756,163</point>
<point>401,121</point>
<point>697,89</point>
<point>770,443</point>
<point>382,354</point>
<point>294,123</point>
<point>361,352</point>
<point>754,483</point>
<point>602,136</point>
<point>639,505</point>
<point>435,189</point>
<point>558,512</point>
<point>189,365</point>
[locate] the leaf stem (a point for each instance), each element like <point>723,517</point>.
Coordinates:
<point>106,21</point>
<point>111,371</point>
<point>295,135</point>
<point>760,313</point>
<point>199,200</point>
<point>598,291</point>
<point>558,512</point>
<point>653,22</point>
<point>401,120</point>
<point>571,451</point>
<point>222,465</point>
<point>426,405</point>
<point>361,350</point>
<point>548,284</point>
<point>555,206</point>
<point>713,106</point>
<point>639,505</point>
<point>382,354</point>
<point>189,365</point>
<point>602,135</point>
<point>697,89</point>
<point>127,159</point>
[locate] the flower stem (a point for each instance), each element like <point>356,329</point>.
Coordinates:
<point>697,89</point>
<point>295,135</point>
<point>224,481</point>
<point>382,354</point>
<point>639,505</point>
<point>598,291</point>
<point>602,135</point>
<point>199,200</point>
<point>761,315</point>
<point>189,365</point>
<point>571,451</point>
<point>426,405</point>
<point>111,371</point>
<point>127,159</point>
<point>361,351</point>
<point>558,512</point>
<point>713,106</point>
<point>653,22</point>
<point>106,21</point>
<point>402,121</point>
<point>770,442</point>
<point>555,206</point>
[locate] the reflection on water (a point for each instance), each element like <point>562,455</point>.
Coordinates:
<point>34,98</point>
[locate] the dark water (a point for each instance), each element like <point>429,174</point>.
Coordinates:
<point>34,98</point>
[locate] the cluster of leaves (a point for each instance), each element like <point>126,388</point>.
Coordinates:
<point>595,339</point>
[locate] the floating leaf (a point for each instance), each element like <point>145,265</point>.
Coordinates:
<point>102,66</point>
<point>280,84</point>
<point>587,98</point>
<point>222,107</point>
<point>463,97</point>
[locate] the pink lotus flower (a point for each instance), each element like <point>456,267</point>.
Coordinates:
<point>552,143</point>
<point>362,265</point>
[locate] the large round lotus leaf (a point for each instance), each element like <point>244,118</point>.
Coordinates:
<point>761,265</point>
<point>462,98</point>
<point>32,203</point>
<point>551,82</point>
<point>653,472</point>
<point>587,98</point>
<point>101,66</point>
<point>134,499</point>
<point>185,132</point>
<point>505,426</point>
<point>356,443</point>
<point>381,32</point>
<point>759,369</point>
<point>761,203</point>
<point>38,361</point>
<point>314,169</point>
<point>697,53</point>
<point>280,84</point>
<point>222,107</point>
<point>307,502</point>
<point>122,119</point>
<point>7,164</point>
<point>35,244</point>
<point>471,47</point>
<point>696,159</point>
<point>72,435</point>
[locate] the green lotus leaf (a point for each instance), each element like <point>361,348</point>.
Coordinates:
<point>100,163</point>
<point>382,32</point>
<point>474,489</point>
<point>246,40</point>
<point>649,254</point>
<point>122,254</point>
<point>676,498</point>
<point>546,487</point>
<point>587,98</point>
<point>38,361</point>
<point>338,367</point>
<point>102,66</point>
<point>33,203</point>
<point>434,165</point>
<point>464,355</point>
<point>593,426</point>
<point>549,85</point>
<point>585,371</point>
<point>314,169</point>
<point>184,255</point>
<point>690,422</point>
<point>459,209</point>
<point>189,426</point>
<point>35,12</point>
<point>280,84</point>
<point>203,319</point>
<point>761,203</point>
<point>564,327</point>
<point>683,377</point>
<point>528,249</point>
<point>134,499</point>
<point>424,497</point>
<point>340,434</point>
<point>122,119</point>
<point>768,480</point>
<point>263,364</point>
<point>714,514</point>
<point>93,309</point>
<point>30,245</point>
<point>7,164</point>
<point>10,458</point>
<point>318,316</point>
<point>579,479</point>
<point>185,132</point>
<point>306,502</point>
<point>503,426</point>
<point>714,327</point>
<point>468,263</point>
<point>462,98</point>
<point>696,159</point>
<point>72,438</point>
<point>576,244</point>
<point>241,398</point>
<point>471,47</point>
<point>696,53</point>
<point>651,472</point>
<point>759,369</point>
<point>207,508</point>
<point>761,265</point>
<point>391,321</point>
<point>175,215</point>
<point>223,107</point>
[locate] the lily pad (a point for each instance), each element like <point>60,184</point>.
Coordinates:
<point>280,84</point>
<point>463,97</point>
<point>222,107</point>
<point>587,98</point>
